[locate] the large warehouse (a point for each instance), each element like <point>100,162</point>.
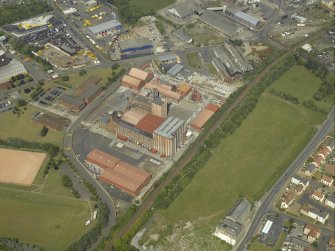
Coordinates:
<point>136,79</point>
<point>135,48</point>
<point>104,29</point>
<point>10,68</point>
<point>118,173</point>
<point>199,121</point>
<point>165,90</point>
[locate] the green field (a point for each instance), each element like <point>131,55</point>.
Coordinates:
<point>146,5</point>
<point>301,83</point>
<point>193,60</point>
<point>245,164</point>
<point>75,79</point>
<point>23,127</point>
<point>46,215</point>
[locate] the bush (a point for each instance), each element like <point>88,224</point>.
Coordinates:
<point>82,72</point>
<point>44,131</point>
<point>65,78</point>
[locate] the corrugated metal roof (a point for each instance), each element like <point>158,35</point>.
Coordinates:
<point>149,123</point>
<point>131,80</point>
<point>138,73</point>
<point>71,100</point>
<point>199,121</point>
<point>112,24</point>
<point>169,127</point>
<point>166,57</point>
<point>175,69</point>
<point>250,19</point>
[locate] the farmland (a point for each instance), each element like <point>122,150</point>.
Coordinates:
<point>245,164</point>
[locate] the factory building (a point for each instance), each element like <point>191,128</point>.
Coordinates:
<point>136,79</point>
<point>167,58</point>
<point>183,36</point>
<point>246,19</point>
<point>10,68</point>
<point>135,48</point>
<point>165,91</point>
<point>200,120</point>
<point>152,103</point>
<point>181,11</point>
<point>229,61</point>
<point>118,173</point>
<point>184,89</point>
<point>170,136</point>
<point>104,29</point>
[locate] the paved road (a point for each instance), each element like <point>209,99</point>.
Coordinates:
<point>296,164</point>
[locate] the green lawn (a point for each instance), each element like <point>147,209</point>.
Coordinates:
<point>146,5</point>
<point>257,246</point>
<point>49,221</point>
<point>301,83</point>
<point>53,185</point>
<point>23,127</point>
<point>75,79</point>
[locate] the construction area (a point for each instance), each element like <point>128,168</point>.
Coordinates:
<point>20,167</point>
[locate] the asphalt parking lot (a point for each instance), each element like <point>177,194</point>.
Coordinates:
<point>272,236</point>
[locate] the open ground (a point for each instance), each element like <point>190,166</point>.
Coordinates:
<point>145,5</point>
<point>19,167</point>
<point>245,164</point>
<point>23,127</point>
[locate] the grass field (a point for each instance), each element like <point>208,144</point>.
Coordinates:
<point>51,222</point>
<point>75,79</point>
<point>146,5</point>
<point>23,127</point>
<point>301,83</point>
<point>244,164</point>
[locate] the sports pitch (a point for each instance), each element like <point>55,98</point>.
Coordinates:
<point>19,167</point>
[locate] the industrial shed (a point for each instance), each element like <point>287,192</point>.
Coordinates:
<point>106,28</point>
<point>149,123</point>
<point>132,82</point>
<point>165,91</point>
<point>102,159</point>
<point>246,19</point>
<point>199,121</point>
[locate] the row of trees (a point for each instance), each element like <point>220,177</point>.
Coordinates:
<point>67,182</point>
<point>114,77</point>
<point>14,12</point>
<point>88,239</point>
<point>285,96</point>
<point>15,244</point>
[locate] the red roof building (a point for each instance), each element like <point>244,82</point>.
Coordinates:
<point>102,159</point>
<point>149,123</point>
<point>200,120</point>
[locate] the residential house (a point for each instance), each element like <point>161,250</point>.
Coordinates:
<point>299,189</point>
<point>295,179</point>
<point>330,201</point>
<point>312,232</point>
<point>318,195</point>
<point>324,152</point>
<point>331,144</point>
<point>299,244</point>
<point>316,214</point>
<point>310,169</point>
<point>287,200</point>
<point>318,160</point>
<point>328,181</point>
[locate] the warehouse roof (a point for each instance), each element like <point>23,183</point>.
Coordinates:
<point>149,123</point>
<point>240,211</point>
<point>71,100</point>
<point>125,176</point>
<point>134,43</point>
<point>212,107</point>
<point>199,121</point>
<point>112,24</point>
<point>184,88</point>
<point>164,90</point>
<point>138,73</point>
<point>230,227</point>
<point>183,36</point>
<point>166,57</point>
<point>175,69</point>
<point>131,80</point>
<point>169,127</point>
<point>250,19</point>
<point>182,10</point>
<point>133,116</point>
<point>102,159</point>
<point>51,121</point>
<point>90,91</point>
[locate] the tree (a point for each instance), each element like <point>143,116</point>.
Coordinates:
<point>44,131</point>
<point>82,72</point>
<point>65,78</point>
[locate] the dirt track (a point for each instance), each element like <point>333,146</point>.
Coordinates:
<point>19,167</point>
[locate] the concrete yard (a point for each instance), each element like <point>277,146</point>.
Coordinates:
<point>19,167</point>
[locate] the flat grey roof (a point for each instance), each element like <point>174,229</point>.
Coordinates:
<point>220,22</point>
<point>240,211</point>
<point>104,26</point>
<point>90,91</point>
<point>166,57</point>
<point>134,43</point>
<point>250,19</point>
<point>230,226</point>
<point>71,100</point>
<point>169,127</point>
<point>299,242</point>
<point>183,9</point>
<point>182,35</point>
<point>175,69</point>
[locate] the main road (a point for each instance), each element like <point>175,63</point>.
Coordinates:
<point>267,201</point>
